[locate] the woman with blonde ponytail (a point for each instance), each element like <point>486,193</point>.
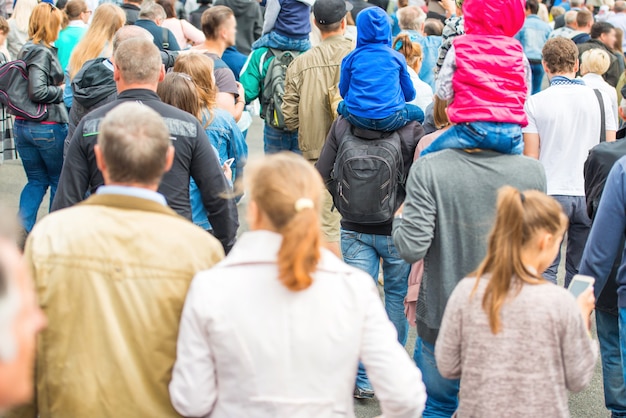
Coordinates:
<point>517,342</point>
<point>277,328</point>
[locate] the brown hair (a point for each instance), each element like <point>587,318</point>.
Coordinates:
<point>179,90</point>
<point>4,26</point>
<point>44,24</point>
<point>107,20</point>
<point>168,6</point>
<point>560,55</point>
<point>138,61</point>
<point>74,8</point>
<point>200,68</point>
<point>440,114</point>
<point>277,183</point>
<point>519,216</point>
<point>412,51</point>
<point>134,141</point>
<point>583,18</point>
<point>619,35</point>
<point>212,19</point>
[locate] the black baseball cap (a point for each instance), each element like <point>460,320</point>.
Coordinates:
<point>327,12</point>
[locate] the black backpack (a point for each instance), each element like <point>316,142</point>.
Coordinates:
<point>14,92</point>
<point>366,176</point>
<point>274,86</point>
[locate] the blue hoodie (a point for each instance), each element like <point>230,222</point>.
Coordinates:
<point>374,79</point>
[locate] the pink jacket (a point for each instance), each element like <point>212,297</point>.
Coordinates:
<point>489,82</point>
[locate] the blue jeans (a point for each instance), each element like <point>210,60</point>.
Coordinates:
<point>276,140</point>
<point>391,123</point>
<point>276,41</point>
<point>501,137</point>
<point>538,73</point>
<point>40,147</point>
<point>575,208</point>
<point>442,394</point>
<point>364,251</point>
<point>612,370</point>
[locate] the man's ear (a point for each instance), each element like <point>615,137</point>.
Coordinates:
<point>99,158</point>
<point>116,72</point>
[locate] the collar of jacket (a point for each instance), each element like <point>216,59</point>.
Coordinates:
<point>262,246</point>
<point>128,203</point>
<point>139,94</point>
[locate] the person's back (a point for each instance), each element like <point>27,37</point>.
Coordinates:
<point>292,366</point>
<point>249,22</point>
<point>114,289</point>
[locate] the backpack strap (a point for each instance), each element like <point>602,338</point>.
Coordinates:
<point>165,42</point>
<point>602,116</point>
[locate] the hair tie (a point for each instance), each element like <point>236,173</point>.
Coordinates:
<point>398,45</point>
<point>522,197</point>
<point>303,203</point>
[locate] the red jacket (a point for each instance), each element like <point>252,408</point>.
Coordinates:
<point>489,82</point>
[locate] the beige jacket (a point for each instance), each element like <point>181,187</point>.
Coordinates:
<point>308,85</point>
<point>111,275</point>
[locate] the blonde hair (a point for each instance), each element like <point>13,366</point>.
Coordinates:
<point>200,67</point>
<point>107,19</point>
<point>519,216</point>
<point>44,24</point>
<point>279,185</point>
<point>21,13</point>
<point>595,61</point>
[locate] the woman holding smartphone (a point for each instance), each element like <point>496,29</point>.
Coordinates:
<point>517,342</point>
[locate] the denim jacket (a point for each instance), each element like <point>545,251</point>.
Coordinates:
<point>533,36</point>
<point>228,142</point>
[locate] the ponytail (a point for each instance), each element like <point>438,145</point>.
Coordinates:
<point>412,51</point>
<point>518,217</point>
<point>300,250</point>
<point>288,190</point>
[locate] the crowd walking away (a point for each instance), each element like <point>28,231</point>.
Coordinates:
<point>299,209</point>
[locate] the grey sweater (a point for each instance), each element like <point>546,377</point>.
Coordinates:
<point>541,351</point>
<point>448,213</point>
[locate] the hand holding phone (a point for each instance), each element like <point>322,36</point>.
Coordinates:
<point>229,162</point>
<point>582,288</point>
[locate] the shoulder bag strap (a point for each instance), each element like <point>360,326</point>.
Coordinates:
<point>602,115</point>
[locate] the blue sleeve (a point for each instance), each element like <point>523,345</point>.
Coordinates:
<point>344,80</point>
<point>609,225</point>
<point>238,150</point>
<point>406,84</point>
<point>172,41</point>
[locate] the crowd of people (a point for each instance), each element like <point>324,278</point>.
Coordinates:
<point>448,150</point>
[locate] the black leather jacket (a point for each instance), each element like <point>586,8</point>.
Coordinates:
<point>44,78</point>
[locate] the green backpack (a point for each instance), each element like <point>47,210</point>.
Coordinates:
<point>274,86</point>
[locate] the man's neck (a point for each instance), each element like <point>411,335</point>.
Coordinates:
<point>326,35</point>
<point>122,87</point>
<point>566,75</point>
<point>151,187</point>
<point>214,47</point>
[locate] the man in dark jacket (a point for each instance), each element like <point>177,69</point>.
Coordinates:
<point>137,72</point>
<point>131,9</point>
<point>151,16</point>
<point>603,37</point>
<point>249,22</point>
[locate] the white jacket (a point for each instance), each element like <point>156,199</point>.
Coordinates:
<point>249,347</point>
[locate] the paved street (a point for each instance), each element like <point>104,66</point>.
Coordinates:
<point>588,404</point>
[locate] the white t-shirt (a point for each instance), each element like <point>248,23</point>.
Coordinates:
<point>423,91</point>
<point>596,81</point>
<point>567,119</point>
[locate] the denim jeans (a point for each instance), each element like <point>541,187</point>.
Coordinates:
<point>276,140</point>
<point>442,394</point>
<point>501,137</point>
<point>364,251</point>
<point>40,147</point>
<point>622,339</point>
<point>575,208</point>
<point>276,41</point>
<point>538,73</point>
<point>391,123</point>
<point>612,370</point>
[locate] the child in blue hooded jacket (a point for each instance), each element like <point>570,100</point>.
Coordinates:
<point>375,83</point>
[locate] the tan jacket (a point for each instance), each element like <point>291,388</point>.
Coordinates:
<point>111,275</point>
<point>308,84</point>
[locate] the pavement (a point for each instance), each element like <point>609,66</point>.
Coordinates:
<point>586,404</point>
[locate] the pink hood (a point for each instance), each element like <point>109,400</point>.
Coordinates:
<point>494,17</point>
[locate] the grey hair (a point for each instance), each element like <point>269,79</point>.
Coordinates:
<point>151,11</point>
<point>129,32</point>
<point>139,61</point>
<point>411,18</point>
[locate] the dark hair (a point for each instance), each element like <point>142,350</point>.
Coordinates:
<point>533,6</point>
<point>213,18</point>
<point>560,55</point>
<point>168,6</point>
<point>74,8</point>
<point>600,28</point>
<point>383,4</point>
<point>332,27</point>
<point>433,27</point>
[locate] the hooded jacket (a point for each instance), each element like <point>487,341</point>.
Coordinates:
<point>489,82</point>
<point>249,22</point>
<point>375,82</point>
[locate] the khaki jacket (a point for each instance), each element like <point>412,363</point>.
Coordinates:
<point>111,275</point>
<point>308,85</point>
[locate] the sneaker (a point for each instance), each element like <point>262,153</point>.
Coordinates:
<point>363,393</point>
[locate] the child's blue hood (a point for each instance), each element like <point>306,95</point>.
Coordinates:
<point>372,25</point>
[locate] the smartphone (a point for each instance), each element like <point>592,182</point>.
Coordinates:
<point>229,162</point>
<point>579,284</point>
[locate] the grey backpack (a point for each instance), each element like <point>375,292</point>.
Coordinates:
<point>274,87</point>
<point>366,176</point>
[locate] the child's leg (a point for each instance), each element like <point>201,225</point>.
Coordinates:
<point>453,138</point>
<point>357,121</point>
<point>276,41</point>
<point>262,42</point>
<point>501,137</point>
<point>400,119</point>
